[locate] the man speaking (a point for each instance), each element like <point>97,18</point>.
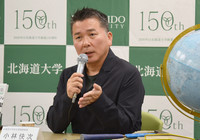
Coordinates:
<point>107,96</point>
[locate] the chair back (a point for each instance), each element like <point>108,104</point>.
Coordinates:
<point>151,122</point>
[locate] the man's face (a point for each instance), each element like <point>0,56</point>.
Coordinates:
<point>90,37</point>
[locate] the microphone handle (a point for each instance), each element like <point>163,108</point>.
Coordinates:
<point>82,59</point>
<point>74,97</point>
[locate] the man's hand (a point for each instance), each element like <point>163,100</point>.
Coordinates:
<point>90,96</point>
<point>74,84</point>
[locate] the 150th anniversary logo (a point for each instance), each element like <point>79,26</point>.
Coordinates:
<point>157,24</point>
<point>28,23</point>
<point>27,19</point>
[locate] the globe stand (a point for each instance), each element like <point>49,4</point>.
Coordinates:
<point>166,88</point>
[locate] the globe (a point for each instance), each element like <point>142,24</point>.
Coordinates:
<point>181,70</point>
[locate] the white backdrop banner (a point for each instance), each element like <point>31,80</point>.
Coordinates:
<point>35,22</point>
<point>158,22</point>
<point>27,107</point>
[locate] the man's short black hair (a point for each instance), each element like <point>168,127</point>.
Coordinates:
<point>86,13</point>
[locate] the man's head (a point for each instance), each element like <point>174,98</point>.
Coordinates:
<point>86,13</point>
<point>90,35</point>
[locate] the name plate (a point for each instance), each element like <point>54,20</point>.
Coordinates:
<point>19,133</point>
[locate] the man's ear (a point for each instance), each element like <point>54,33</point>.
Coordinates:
<point>110,38</point>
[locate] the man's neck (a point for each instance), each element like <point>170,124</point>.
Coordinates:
<point>93,69</point>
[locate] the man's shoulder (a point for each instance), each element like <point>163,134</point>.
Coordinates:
<point>69,70</point>
<point>125,65</point>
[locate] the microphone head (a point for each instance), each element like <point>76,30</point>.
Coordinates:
<point>83,58</point>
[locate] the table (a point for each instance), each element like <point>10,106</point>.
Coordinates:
<point>69,136</point>
<point>44,135</point>
<point>52,136</point>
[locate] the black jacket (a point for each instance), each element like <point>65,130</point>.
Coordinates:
<point>118,110</point>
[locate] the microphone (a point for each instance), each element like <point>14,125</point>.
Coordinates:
<point>82,59</point>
